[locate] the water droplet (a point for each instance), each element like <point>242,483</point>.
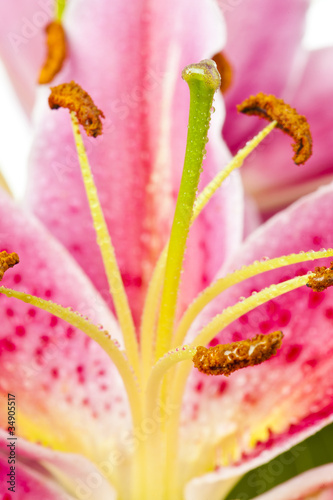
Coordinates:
<point>241,299</point>
<point>263,259</point>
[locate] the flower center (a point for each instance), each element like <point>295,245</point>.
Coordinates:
<point>155,372</point>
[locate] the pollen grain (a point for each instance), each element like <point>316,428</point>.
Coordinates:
<point>322,279</point>
<point>288,120</point>
<point>73,97</point>
<point>227,358</point>
<point>225,69</point>
<point>7,260</point>
<point>56,52</point>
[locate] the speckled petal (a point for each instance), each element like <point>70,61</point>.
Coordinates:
<point>280,402</point>
<point>68,391</point>
<point>42,472</point>
<point>129,57</point>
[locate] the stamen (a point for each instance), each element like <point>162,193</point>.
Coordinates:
<point>225,69</point>
<point>73,97</point>
<point>82,105</point>
<point>203,80</point>
<point>288,120</point>
<point>56,52</point>
<point>7,260</point>
<point>322,279</point>
<point>227,358</point>
<point>59,8</point>
<point>246,272</point>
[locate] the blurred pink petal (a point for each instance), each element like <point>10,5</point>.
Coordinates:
<point>22,43</point>
<point>263,43</point>
<point>270,175</point>
<point>32,476</point>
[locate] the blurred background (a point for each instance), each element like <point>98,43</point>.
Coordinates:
<point>15,131</point>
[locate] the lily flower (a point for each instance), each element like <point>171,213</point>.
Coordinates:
<point>127,427</point>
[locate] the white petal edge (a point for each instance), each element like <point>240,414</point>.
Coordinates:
<point>307,483</point>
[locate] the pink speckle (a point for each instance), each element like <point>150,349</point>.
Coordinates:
<point>199,386</point>
<point>45,339</point>
<point>76,248</point>
<point>104,387</point>
<point>213,342</point>
<point>32,313</point>
<point>7,345</point>
<point>236,336</point>
<point>293,352</point>
<point>315,299</point>
<point>7,496</point>
<point>17,278</point>
<point>244,319</point>
<point>265,326</point>
<point>311,362</point>
<point>53,321</point>
<point>70,332</point>
<point>284,317</point>
<point>222,387</point>
<point>329,313</point>
<point>9,312</point>
<point>20,331</point>
<point>300,272</point>
<point>80,369</point>
<point>101,373</point>
<point>55,373</point>
<point>317,240</point>
<point>48,293</point>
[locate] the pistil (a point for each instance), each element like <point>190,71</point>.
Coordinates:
<point>203,80</point>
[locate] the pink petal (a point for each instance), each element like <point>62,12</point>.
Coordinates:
<point>63,381</point>
<point>131,65</point>
<point>32,476</point>
<point>22,44</point>
<point>271,175</point>
<point>315,483</point>
<point>263,44</point>
<point>28,484</point>
<point>289,397</point>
